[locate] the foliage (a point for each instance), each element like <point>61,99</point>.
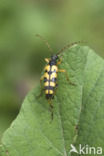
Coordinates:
<point>78,111</point>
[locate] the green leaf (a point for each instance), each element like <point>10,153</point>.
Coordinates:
<point>78,111</point>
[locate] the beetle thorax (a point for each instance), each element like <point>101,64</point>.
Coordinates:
<point>53,60</point>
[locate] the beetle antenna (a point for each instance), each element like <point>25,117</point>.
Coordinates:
<point>69,45</point>
<point>46,42</point>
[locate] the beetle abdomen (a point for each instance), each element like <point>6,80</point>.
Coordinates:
<point>50,78</point>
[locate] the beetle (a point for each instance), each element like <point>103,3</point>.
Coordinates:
<point>51,72</point>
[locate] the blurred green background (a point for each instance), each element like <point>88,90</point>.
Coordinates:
<point>22,54</point>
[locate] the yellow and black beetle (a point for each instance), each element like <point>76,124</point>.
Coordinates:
<point>51,70</point>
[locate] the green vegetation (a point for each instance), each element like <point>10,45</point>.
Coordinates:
<point>78,111</point>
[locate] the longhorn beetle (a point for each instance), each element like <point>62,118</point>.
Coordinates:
<point>50,72</point>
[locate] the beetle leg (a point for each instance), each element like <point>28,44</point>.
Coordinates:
<point>64,71</point>
<point>66,74</point>
<point>55,88</point>
<point>51,105</point>
<point>51,108</point>
<point>42,77</point>
<point>59,62</point>
<point>38,96</point>
<point>47,60</point>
